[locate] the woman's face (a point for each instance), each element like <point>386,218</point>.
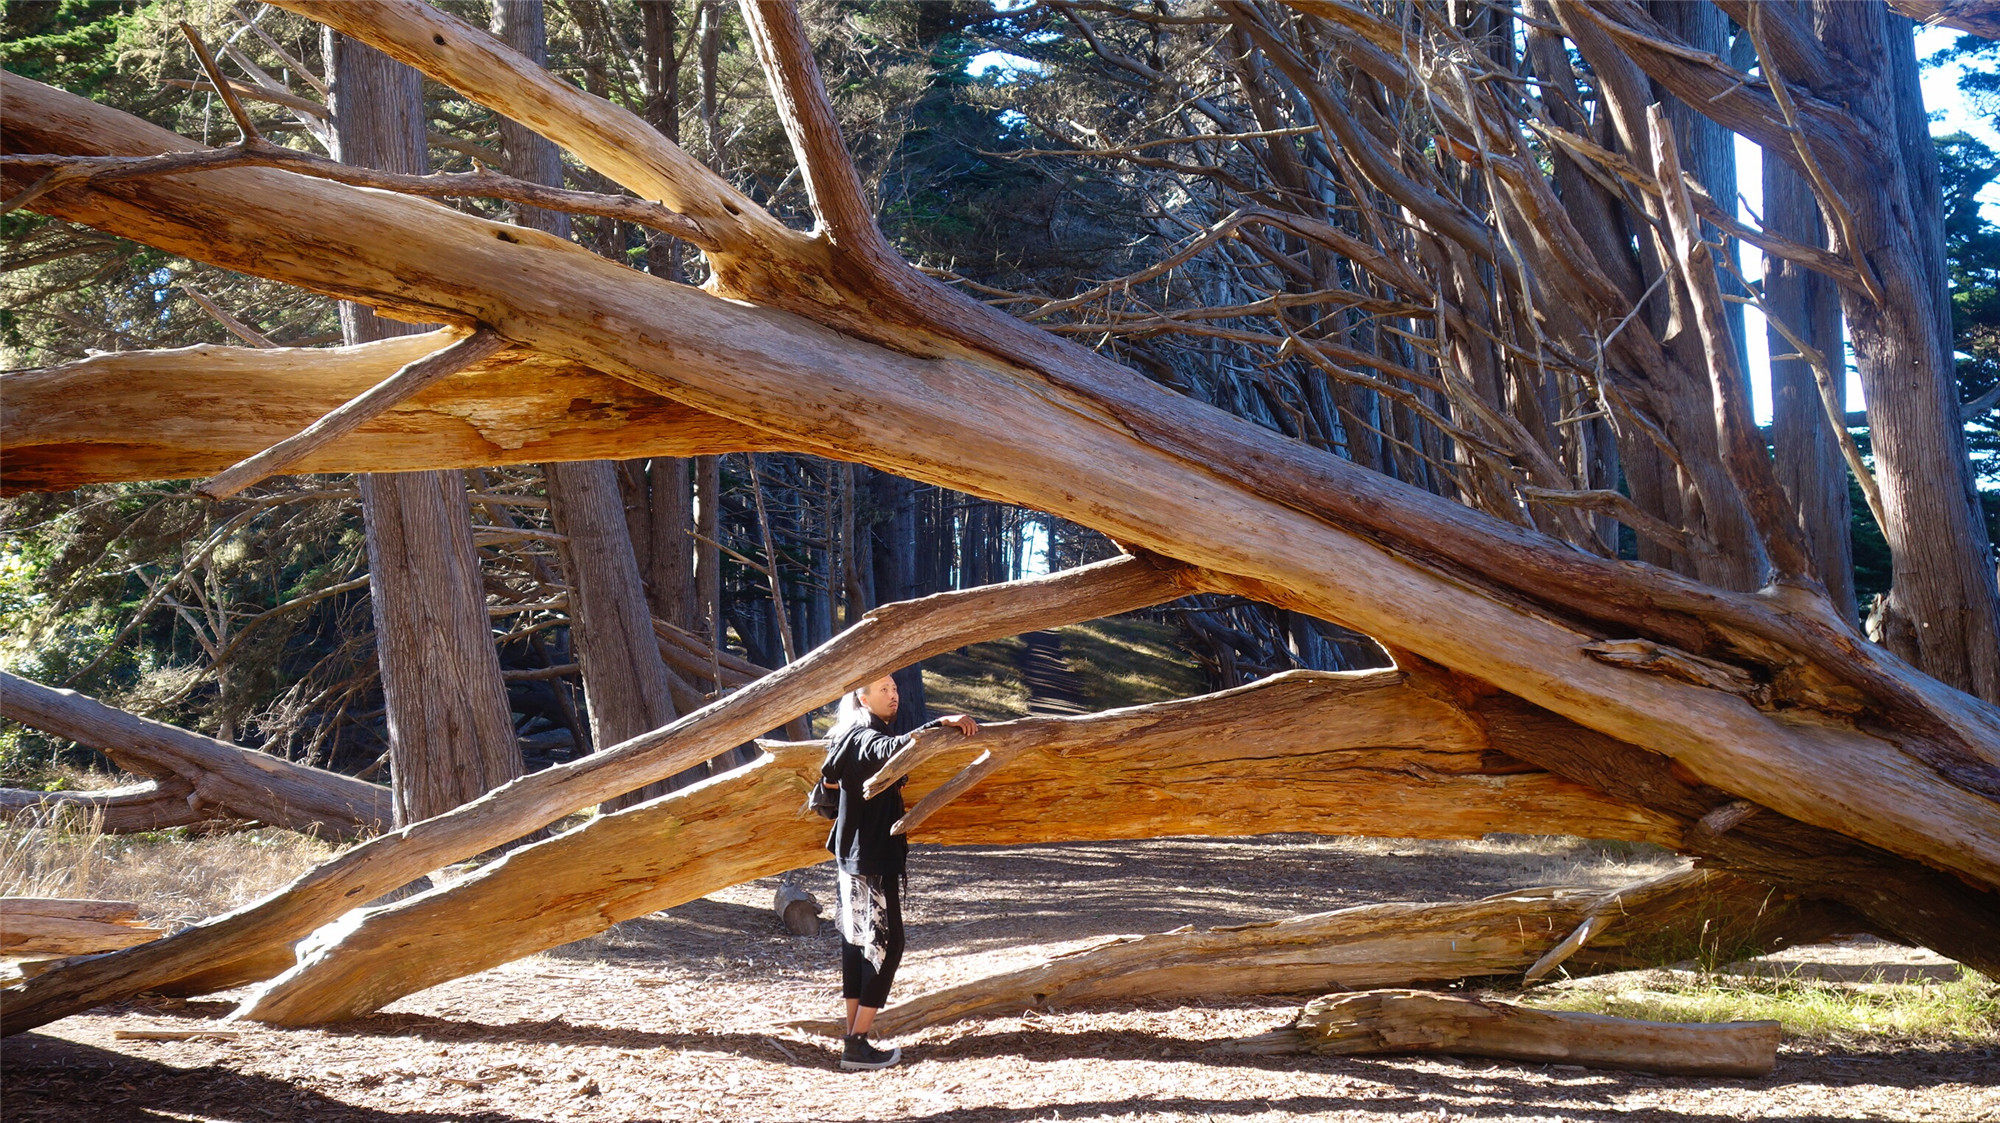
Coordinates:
<point>881,699</point>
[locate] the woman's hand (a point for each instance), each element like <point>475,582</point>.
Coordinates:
<point>961,722</point>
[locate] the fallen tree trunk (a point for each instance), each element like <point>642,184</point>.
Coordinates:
<point>243,946</point>
<point>233,782</point>
<point>49,926</point>
<point>1658,921</point>
<point>1139,773</point>
<point>1350,547</point>
<point>196,410</point>
<point>1336,753</point>
<point>1415,1021</point>
<point>152,806</point>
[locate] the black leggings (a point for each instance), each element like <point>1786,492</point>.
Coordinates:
<point>862,980</point>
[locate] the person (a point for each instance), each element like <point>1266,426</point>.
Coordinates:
<point>869,861</point>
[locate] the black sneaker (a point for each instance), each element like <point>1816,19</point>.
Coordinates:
<point>857,1054</point>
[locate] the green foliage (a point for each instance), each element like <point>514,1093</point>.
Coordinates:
<point>1972,250</point>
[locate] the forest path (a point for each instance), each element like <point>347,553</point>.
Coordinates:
<point>1054,689</point>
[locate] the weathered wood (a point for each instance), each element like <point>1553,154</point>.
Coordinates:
<point>234,782</point>
<point>243,946</point>
<point>1276,515</point>
<point>45,926</point>
<point>1340,753</point>
<point>152,806</point>
<point>72,908</point>
<point>195,410</point>
<point>406,383</point>
<point>1302,752</point>
<point>1658,921</point>
<point>1415,1021</point>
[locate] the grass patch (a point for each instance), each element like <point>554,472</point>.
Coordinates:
<point>982,679</point>
<point>1963,1009</point>
<point>176,876</point>
<point>1130,661</point>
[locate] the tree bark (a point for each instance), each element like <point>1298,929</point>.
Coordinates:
<point>1808,455</point>
<point>451,739</point>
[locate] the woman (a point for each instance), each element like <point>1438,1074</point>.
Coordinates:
<point>869,860</point>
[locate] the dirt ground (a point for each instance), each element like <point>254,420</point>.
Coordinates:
<point>681,1015</point>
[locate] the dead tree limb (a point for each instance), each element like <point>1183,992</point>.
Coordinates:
<point>236,782</point>
<point>242,946</point>
<point>354,413</point>
<point>1303,752</point>
<point>152,806</point>
<point>193,411</point>
<point>1414,1021</point>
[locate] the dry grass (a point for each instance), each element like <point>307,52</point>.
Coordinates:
<point>1130,661</point>
<point>982,679</point>
<point>176,877</point>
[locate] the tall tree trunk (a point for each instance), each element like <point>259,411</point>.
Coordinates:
<point>1941,612</point>
<point>451,738</point>
<point>1809,460</point>
<point>625,681</point>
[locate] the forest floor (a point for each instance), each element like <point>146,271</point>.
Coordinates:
<point>681,1016</point>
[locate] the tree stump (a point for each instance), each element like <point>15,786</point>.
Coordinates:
<point>798,910</point>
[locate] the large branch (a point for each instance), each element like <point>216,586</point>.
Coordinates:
<point>243,946</point>
<point>1241,503</point>
<point>157,415</point>
<point>238,782</point>
<point>152,806</point>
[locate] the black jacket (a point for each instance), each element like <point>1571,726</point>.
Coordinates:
<point>860,838</point>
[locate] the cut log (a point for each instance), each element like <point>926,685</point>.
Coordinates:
<point>798,910</point>
<point>151,806</point>
<point>195,410</point>
<point>1414,1021</point>
<point>233,782</point>
<point>1662,920</point>
<point>243,946</point>
<point>1295,753</point>
<point>53,926</point>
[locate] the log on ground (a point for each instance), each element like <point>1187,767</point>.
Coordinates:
<point>1414,1021</point>
<point>151,806</point>
<point>1385,945</point>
